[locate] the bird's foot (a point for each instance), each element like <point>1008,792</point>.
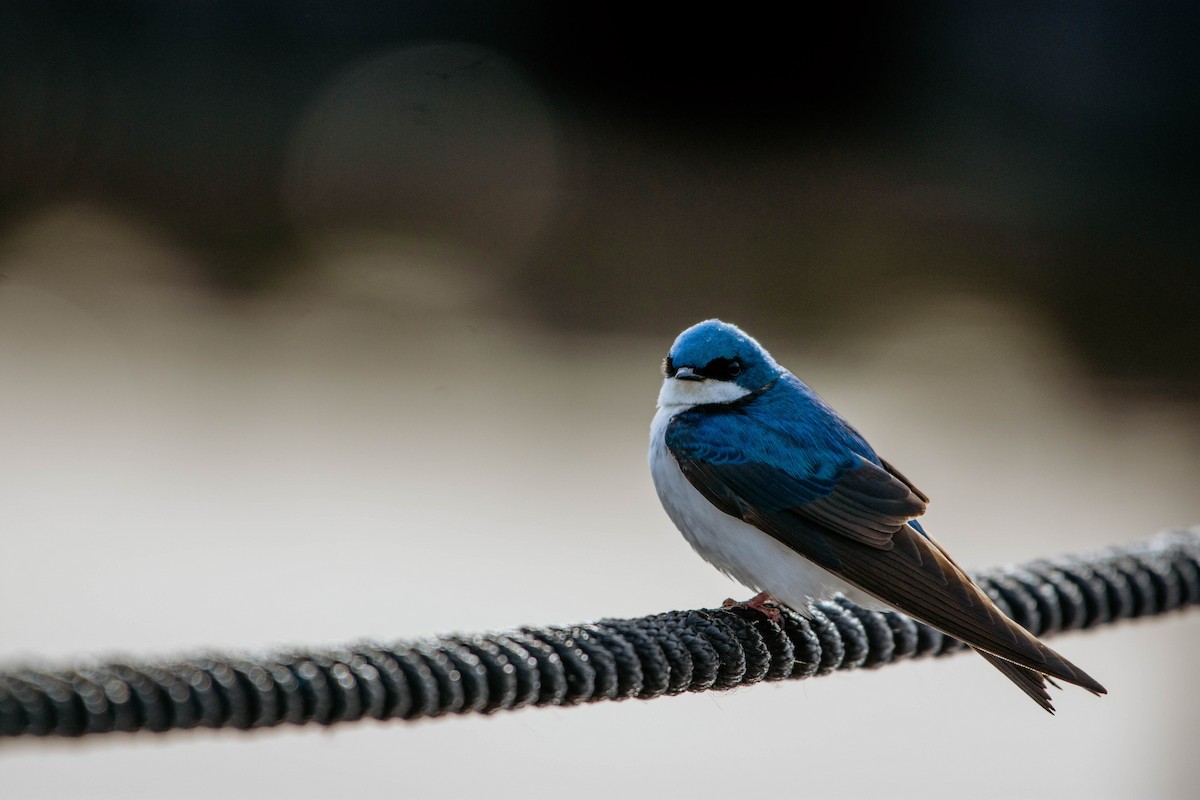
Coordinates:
<point>763,603</point>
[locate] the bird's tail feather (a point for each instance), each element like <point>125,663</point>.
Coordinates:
<point>1030,681</point>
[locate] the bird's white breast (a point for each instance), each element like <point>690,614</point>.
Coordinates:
<point>738,549</point>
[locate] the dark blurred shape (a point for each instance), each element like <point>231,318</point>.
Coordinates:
<point>751,72</point>
<point>820,176</point>
<point>443,141</point>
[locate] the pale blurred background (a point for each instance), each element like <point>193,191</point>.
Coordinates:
<point>320,323</point>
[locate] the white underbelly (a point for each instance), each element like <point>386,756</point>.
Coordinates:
<point>740,550</point>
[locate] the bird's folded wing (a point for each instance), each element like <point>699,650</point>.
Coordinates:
<point>823,480</point>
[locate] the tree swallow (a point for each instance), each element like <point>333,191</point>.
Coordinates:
<point>772,487</point>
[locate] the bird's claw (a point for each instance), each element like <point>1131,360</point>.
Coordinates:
<point>762,602</point>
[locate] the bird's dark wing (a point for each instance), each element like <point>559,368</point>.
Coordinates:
<point>739,463</point>
<point>815,494</point>
<point>920,579</point>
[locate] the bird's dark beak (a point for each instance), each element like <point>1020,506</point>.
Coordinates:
<point>687,374</point>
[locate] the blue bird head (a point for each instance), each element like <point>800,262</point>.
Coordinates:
<point>717,351</point>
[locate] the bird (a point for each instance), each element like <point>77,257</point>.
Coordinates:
<point>771,486</point>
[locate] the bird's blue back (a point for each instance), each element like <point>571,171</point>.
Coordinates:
<point>785,428</point>
<point>783,449</point>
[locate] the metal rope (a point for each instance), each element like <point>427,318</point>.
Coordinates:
<point>664,654</point>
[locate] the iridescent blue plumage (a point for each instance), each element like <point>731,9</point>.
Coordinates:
<point>760,446</point>
<point>782,448</point>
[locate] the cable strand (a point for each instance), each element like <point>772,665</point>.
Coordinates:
<point>612,659</point>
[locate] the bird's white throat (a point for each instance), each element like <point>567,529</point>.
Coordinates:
<point>676,394</point>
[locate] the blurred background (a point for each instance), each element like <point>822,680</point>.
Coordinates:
<point>321,322</point>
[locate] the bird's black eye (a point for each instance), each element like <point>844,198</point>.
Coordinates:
<point>722,369</point>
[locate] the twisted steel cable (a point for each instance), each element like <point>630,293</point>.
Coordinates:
<point>664,654</point>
